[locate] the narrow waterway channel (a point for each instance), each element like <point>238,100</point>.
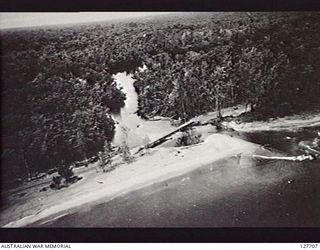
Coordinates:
<point>130,128</point>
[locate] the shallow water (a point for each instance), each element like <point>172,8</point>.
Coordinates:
<point>233,192</point>
<point>284,141</point>
<point>131,128</point>
<point>227,193</point>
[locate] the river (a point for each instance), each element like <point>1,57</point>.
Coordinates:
<point>269,194</point>
<point>131,128</point>
<point>221,194</point>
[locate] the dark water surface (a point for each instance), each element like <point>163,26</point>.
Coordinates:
<point>227,193</point>
<point>234,192</point>
<point>284,141</point>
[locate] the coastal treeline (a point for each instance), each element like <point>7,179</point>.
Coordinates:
<point>268,61</point>
<point>58,92</point>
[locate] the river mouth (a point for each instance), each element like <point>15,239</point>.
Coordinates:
<point>245,193</point>
<point>135,131</point>
<point>222,194</point>
<point>283,141</point>
<point>131,129</point>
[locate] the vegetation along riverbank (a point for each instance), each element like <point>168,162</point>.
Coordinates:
<point>207,86</point>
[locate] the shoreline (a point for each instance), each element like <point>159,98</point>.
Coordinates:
<point>156,166</point>
<point>150,166</point>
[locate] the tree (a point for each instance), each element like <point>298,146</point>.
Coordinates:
<point>220,80</point>
<point>262,73</point>
<point>124,148</point>
<point>177,99</point>
<point>105,157</point>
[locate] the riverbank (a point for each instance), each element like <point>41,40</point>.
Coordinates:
<point>289,123</point>
<point>130,127</point>
<point>149,167</point>
<point>153,166</point>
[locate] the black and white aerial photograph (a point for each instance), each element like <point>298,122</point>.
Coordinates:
<point>160,119</point>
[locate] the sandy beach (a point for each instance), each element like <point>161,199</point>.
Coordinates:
<point>155,166</point>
